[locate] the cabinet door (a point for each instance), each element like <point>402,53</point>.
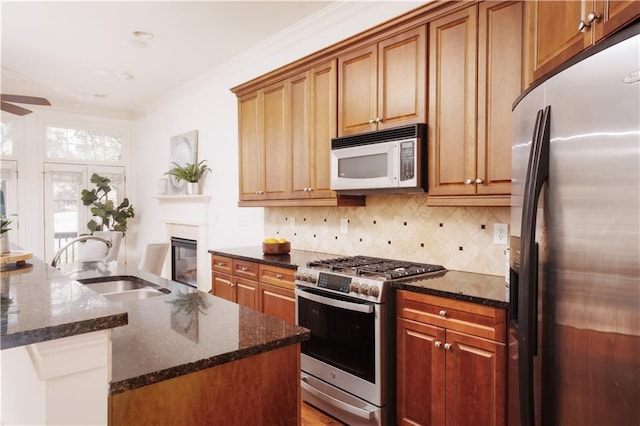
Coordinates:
<point>246,292</point>
<point>557,36</point>
<point>322,120</point>
<point>277,136</point>
<point>500,81</point>
<point>223,286</point>
<point>277,301</point>
<point>475,381</point>
<point>250,146</point>
<point>452,103</point>
<point>300,140</point>
<point>402,79</point>
<point>614,14</point>
<point>420,374</point>
<point>357,85</point>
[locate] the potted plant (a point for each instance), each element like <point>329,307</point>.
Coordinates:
<point>191,173</point>
<point>4,234</point>
<point>109,221</point>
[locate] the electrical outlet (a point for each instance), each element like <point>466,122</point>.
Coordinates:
<point>500,233</point>
<point>344,225</point>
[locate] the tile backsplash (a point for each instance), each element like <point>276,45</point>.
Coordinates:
<point>397,227</point>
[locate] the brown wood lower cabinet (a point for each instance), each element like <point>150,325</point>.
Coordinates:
<point>260,390</point>
<point>448,371</point>
<point>265,288</point>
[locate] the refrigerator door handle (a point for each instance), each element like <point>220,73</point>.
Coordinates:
<point>537,174</point>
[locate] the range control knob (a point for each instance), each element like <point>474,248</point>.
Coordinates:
<point>364,289</point>
<point>374,291</point>
<point>313,279</point>
<point>354,287</point>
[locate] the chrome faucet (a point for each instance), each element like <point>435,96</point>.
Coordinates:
<point>62,249</point>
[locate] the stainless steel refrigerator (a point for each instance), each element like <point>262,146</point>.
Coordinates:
<point>574,330</point>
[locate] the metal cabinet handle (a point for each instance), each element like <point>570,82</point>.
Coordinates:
<point>279,276</point>
<point>447,346</point>
<point>442,313</point>
<point>478,181</point>
<point>378,120</point>
<point>220,263</point>
<point>244,269</point>
<point>437,343</point>
<point>468,182</point>
<point>372,121</point>
<point>583,25</point>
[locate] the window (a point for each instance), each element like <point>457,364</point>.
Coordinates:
<point>6,145</point>
<point>67,217</point>
<point>83,145</point>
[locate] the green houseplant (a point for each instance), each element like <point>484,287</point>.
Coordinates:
<point>107,216</point>
<point>192,173</point>
<point>4,224</point>
<point>4,236</point>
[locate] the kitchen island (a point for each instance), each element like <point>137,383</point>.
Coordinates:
<point>183,357</point>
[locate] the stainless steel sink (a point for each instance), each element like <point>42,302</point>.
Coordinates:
<point>124,288</point>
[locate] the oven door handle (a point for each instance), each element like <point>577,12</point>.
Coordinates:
<point>358,307</point>
<point>336,402</point>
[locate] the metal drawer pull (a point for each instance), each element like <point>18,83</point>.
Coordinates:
<point>279,276</point>
<point>243,269</point>
<point>438,343</point>
<point>447,346</point>
<point>442,313</point>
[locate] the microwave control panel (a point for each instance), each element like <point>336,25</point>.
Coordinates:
<point>407,160</point>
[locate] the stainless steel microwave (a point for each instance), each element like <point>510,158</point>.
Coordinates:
<point>384,161</point>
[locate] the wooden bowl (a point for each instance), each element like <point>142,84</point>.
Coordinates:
<point>276,248</point>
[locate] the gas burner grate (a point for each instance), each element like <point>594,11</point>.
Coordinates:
<point>364,265</point>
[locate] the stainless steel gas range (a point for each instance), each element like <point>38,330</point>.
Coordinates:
<point>348,364</point>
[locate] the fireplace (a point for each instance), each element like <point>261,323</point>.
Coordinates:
<point>184,264</point>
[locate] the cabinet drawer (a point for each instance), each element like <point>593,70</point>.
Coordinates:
<point>471,318</point>
<point>242,268</point>
<point>222,264</point>
<point>280,277</point>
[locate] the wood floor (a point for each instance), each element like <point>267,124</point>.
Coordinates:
<point>312,416</point>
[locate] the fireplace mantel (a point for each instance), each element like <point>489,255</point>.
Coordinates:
<point>183,198</point>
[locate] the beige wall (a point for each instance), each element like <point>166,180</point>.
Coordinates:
<point>398,227</point>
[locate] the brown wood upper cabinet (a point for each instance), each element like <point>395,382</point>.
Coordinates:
<point>382,85</point>
<point>264,127</point>
<point>285,132</point>
<point>313,118</point>
<point>562,29</point>
<point>475,74</point>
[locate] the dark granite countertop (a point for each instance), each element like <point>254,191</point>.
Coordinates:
<point>291,260</point>
<point>487,290</point>
<point>472,287</point>
<point>40,303</point>
<point>156,338</point>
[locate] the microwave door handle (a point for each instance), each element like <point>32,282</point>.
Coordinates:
<point>358,307</point>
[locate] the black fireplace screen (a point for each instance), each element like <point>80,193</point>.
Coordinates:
<point>184,261</point>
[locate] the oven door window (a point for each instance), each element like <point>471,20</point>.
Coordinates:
<point>340,337</point>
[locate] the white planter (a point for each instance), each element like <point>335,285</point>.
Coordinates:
<point>193,188</point>
<point>4,243</point>
<point>93,250</point>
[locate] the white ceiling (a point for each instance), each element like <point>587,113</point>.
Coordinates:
<point>69,52</point>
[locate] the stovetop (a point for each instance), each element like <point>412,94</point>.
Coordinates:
<point>387,269</point>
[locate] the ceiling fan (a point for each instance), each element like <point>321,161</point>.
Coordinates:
<point>17,110</point>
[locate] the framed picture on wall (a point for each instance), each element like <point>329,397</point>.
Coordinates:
<point>183,149</point>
